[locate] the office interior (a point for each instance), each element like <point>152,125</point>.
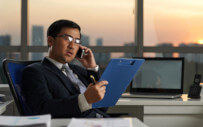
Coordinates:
<point>115,29</point>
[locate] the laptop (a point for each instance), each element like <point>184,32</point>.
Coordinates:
<point>158,78</point>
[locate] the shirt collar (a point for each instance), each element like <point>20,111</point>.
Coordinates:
<point>56,63</point>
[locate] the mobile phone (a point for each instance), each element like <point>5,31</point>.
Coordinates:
<point>80,53</point>
<point>195,89</point>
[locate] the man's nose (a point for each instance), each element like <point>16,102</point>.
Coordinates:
<point>71,44</point>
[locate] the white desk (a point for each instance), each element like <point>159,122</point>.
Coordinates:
<point>155,112</point>
<point>65,122</point>
<point>4,106</point>
<point>180,112</point>
<point>8,108</point>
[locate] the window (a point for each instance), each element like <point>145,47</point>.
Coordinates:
<point>9,30</point>
<point>103,22</point>
<point>173,22</point>
<point>10,22</point>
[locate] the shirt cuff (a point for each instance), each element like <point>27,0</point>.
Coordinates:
<point>96,69</point>
<point>83,104</point>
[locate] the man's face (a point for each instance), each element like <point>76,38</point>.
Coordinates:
<point>63,50</point>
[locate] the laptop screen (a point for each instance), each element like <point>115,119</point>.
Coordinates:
<point>159,75</point>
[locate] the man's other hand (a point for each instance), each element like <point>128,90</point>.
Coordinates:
<point>95,93</point>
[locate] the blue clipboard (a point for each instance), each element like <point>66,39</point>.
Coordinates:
<point>119,74</point>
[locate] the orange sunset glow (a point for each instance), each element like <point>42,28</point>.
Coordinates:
<point>165,21</point>
<point>200,42</point>
<point>173,21</point>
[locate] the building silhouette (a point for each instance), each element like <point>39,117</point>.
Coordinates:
<point>192,57</point>
<point>5,40</point>
<point>85,40</point>
<point>37,40</point>
<point>164,54</point>
<point>127,54</point>
<point>101,58</point>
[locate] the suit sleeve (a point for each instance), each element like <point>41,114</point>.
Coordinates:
<point>97,76</point>
<point>41,101</point>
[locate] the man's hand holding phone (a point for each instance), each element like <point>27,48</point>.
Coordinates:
<point>86,57</point>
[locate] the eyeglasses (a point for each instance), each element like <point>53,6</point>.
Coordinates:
<point>70,38</point>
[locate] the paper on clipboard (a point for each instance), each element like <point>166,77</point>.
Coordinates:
<point>119,74</point>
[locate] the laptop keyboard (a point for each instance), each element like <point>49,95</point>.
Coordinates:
<point>162,94</point>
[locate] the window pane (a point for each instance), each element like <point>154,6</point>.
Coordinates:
<point>193,65</point>
<point>9,30</point>
<point>172,22</point>
<point>102,59</point>
<point>109,21</point>
<point>10,22</point>
<point>37,55</point>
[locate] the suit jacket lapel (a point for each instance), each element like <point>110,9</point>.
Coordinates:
<point>66,82</point>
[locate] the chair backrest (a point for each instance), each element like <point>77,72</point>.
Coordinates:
<point>13,71</point>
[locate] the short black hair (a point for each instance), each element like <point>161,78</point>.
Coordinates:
<point>56,27</point>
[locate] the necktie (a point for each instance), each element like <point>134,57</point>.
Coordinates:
<point>76,82</point>
<point>74,79</point>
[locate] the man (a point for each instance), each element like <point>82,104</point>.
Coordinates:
<point>57,87</point>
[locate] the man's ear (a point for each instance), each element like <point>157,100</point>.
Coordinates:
<point>50,41</point>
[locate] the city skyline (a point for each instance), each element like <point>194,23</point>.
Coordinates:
<point>172,22</point>
<point>193,61</point>
<point>37,39</point>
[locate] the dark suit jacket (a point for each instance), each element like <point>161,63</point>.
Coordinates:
<point>47,90</point>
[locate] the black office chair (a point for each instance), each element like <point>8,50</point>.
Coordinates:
<point>13,71</point>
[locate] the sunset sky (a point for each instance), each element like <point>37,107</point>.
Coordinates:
<point>172,21</point>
